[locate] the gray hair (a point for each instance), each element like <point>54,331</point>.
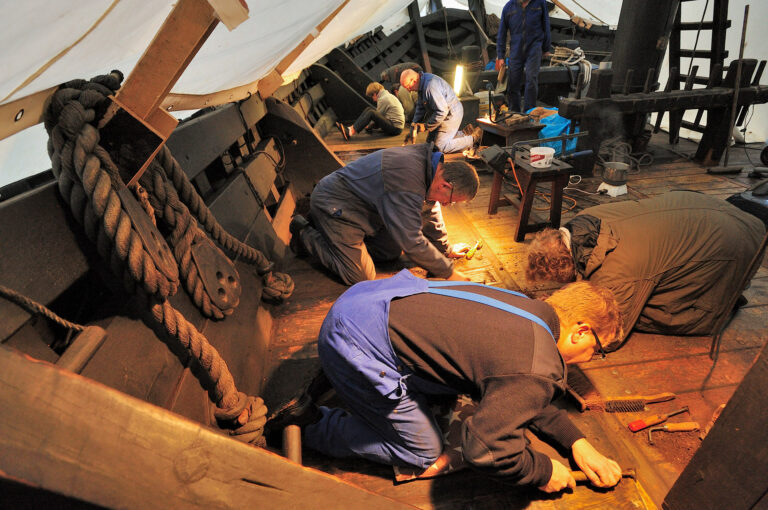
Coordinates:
<point>463,177</point>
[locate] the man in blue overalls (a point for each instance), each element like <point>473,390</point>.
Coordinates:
<point>527,22</point>
<point>439,111</point>
<point>389,345</point>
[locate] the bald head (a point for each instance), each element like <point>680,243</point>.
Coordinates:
<point>409,79</point>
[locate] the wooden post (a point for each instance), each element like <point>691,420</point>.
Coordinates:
<point>134,114</point>
<point>413,12</point>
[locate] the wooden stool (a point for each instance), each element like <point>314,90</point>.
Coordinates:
<point>528,176</point>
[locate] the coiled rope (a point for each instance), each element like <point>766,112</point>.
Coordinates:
<point>568,57</point>
<point>89,181</point>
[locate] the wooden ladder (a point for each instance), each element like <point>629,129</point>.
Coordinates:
<point>716,55</point>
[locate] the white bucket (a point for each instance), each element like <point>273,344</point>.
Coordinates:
<point>541,157</point>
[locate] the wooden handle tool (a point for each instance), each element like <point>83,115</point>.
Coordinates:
<point>655,419</point>
<point>683,426</point>
<point>579,476</point>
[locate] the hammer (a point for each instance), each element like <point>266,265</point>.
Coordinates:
<point>471,252</point>
<point>579,476</point>
<point>683,426</point>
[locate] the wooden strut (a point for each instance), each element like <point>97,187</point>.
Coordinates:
<point>174,46</point>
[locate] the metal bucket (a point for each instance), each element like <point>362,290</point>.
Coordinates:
<point>615,173</point>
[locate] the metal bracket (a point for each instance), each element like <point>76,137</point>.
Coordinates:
<point>218,273</point>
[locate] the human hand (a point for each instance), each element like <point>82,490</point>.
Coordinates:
<point>458,251</point>
<point>457,276</point>
<point>499,63</point>
<point>601,471</point>
<point>560,479</point>
<point>547,54</point>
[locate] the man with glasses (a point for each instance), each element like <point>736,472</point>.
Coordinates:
<point>382,205</point>
<point>390,346</point>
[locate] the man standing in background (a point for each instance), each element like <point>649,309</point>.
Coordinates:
<point>527,22</point>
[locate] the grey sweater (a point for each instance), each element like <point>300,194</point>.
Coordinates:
<point>389,106</point>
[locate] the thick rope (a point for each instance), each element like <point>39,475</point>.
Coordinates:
<point>88,181</point>
<point>173,191</point>
<point>35,308</point>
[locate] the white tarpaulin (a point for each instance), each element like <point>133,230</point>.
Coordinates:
<point>45,43</point>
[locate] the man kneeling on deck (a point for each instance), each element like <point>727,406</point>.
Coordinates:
<point>383,204</point>
<point>389,345</point>
<point>672,261</point>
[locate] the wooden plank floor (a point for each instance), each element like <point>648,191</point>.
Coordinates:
<point>646,364</point>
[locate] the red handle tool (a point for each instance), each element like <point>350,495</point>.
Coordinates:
<point>653,420</point>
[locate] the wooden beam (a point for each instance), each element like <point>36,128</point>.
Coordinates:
<point>413,12</point>
<point>728,470</point>
<point>69,435</point>
<point>269,83</point>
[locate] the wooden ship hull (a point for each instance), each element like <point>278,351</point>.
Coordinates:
<point>120,415</point>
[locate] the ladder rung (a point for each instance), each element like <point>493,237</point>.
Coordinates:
<point>693,127</point>
<point>700,53</point>
<point>698,80</point>
<point>694,25</point>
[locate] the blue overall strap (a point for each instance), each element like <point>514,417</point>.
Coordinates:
<point>485,300</point>
<point>446,283</point>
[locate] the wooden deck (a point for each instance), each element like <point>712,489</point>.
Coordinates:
<point>646,364</point>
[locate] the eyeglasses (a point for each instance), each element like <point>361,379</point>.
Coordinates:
<point>450,197</point>
<point>599,345</point>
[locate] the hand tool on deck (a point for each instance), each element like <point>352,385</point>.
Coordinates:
<point>652,420</point>
<point>471,252</point>
<point>580,476</point>
<point>683,426</point>
<point>630,404</point>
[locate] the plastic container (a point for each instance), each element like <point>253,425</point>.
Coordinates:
<point>483,97</point>
<point>541,157</point>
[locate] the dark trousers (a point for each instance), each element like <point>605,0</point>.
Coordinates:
<point>524,65</point>
<point>371,115</point>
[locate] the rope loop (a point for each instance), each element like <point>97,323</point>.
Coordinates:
<point>245,421</point>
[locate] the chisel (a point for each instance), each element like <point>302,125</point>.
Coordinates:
<point>653,420</point>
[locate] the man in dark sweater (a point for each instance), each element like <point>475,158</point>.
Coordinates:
<point>389,345</point>
<point>382,205</point>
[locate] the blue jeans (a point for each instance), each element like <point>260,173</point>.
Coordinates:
<point>445,137</point>
<point>524,64</point>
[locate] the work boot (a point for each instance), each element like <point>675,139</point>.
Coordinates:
<point>298,223</point>
<point>477,135</point>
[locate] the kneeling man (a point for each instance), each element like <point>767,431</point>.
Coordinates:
<point>672,261</point>
<point>381,205</point>
<point>389,345</point>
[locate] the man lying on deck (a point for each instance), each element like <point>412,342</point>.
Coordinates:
<point>672,261</point>
<point>439,111</point>
<point>381,205</point>
<point>389,346</point>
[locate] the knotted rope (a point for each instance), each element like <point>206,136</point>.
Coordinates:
<point>89,181</point>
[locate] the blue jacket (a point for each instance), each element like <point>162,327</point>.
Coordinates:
<point>436,101</point>
<point>527,26</point>
<point>392,185</point>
